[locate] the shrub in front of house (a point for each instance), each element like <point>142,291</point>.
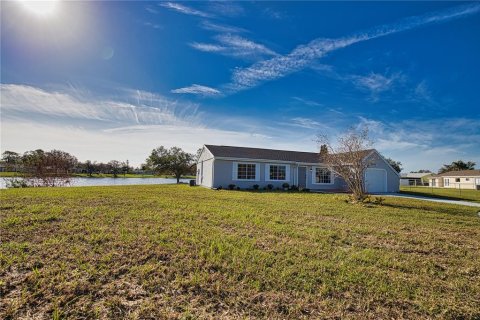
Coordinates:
<point>270,186</point>
<point>220,188</point>
<point>238,188</point>
<point>231,186</point>
<point>285,186</point>
<point>294,187</point>
<point>256,186</point>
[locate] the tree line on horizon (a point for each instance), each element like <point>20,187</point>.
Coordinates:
<point>56,167</point>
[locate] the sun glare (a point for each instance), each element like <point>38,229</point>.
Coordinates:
<point>40,8</point>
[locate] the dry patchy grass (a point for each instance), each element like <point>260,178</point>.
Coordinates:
<point>153,252</point>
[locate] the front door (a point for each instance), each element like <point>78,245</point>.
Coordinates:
<point>302,177</point>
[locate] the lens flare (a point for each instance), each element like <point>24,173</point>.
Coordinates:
<point>40,8</point>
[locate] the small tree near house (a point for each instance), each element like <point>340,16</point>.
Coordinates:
<point>346,158</point>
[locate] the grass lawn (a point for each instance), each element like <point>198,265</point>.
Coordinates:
<point>453,194</point>
<point>4,174</point>
<point>129,175</point>
<point>102,175</point>
<point>179,252</point>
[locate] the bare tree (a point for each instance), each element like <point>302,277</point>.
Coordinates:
<point>48,169</point>
<point>347,159</point>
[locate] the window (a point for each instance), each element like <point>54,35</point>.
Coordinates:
<point>447,182</point>
<point>323,175</point>
<point>277,172</point>
<point>467,179</point>
<point>457,179</point>
<point>246,171</point>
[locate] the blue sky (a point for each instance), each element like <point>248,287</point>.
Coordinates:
<point>112,80</point>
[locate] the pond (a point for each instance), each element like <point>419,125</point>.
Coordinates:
<point>89,182</point>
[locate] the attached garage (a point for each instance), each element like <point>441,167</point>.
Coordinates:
<point>375,180</point>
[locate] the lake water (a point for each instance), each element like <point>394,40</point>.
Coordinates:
<point>89,182</point>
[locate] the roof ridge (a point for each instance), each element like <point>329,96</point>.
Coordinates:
<point>316,153</point>
<point>216,145</point>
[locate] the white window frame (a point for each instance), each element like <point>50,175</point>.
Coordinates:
<point>267,171</point>
<point>235,171</point>
<point>446,182</point>
<point>314,176</point>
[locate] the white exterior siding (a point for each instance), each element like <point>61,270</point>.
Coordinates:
<point>205,169</point>
<point>460,182</point>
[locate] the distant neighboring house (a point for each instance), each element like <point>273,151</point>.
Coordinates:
<point>464,179</point>
<point>221,166</point>
<point>414,178</point>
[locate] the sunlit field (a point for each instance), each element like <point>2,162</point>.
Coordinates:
<point>157,252</point>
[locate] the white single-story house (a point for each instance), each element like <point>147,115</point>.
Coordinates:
<point>414,178</point>
<point>463,179</point>
<point>221,166</point>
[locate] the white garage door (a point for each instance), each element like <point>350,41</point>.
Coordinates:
<point>375,180</point>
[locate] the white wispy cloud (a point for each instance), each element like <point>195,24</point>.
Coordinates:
<point>126,126</point>
<point>184,9</point>
<point>221,28</point>
<point>422,92</point>
<point>306,123</point>
<point>151,10</point>
<point>307,102</point>
<point>376,82</point>
<point>226,8</point>
<point>208,47</point>
<point>198,90</point>
<point>234,46</point>
<point>273,14</point>
<point>243,44</point>
<point>152,25</point>
<point>306,55</point>
<point>426,144</point>
<point>21,101</point>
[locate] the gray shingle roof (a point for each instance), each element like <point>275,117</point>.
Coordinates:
<point>414,175</point>
<point>461,173</point>
<point>267,154</point>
